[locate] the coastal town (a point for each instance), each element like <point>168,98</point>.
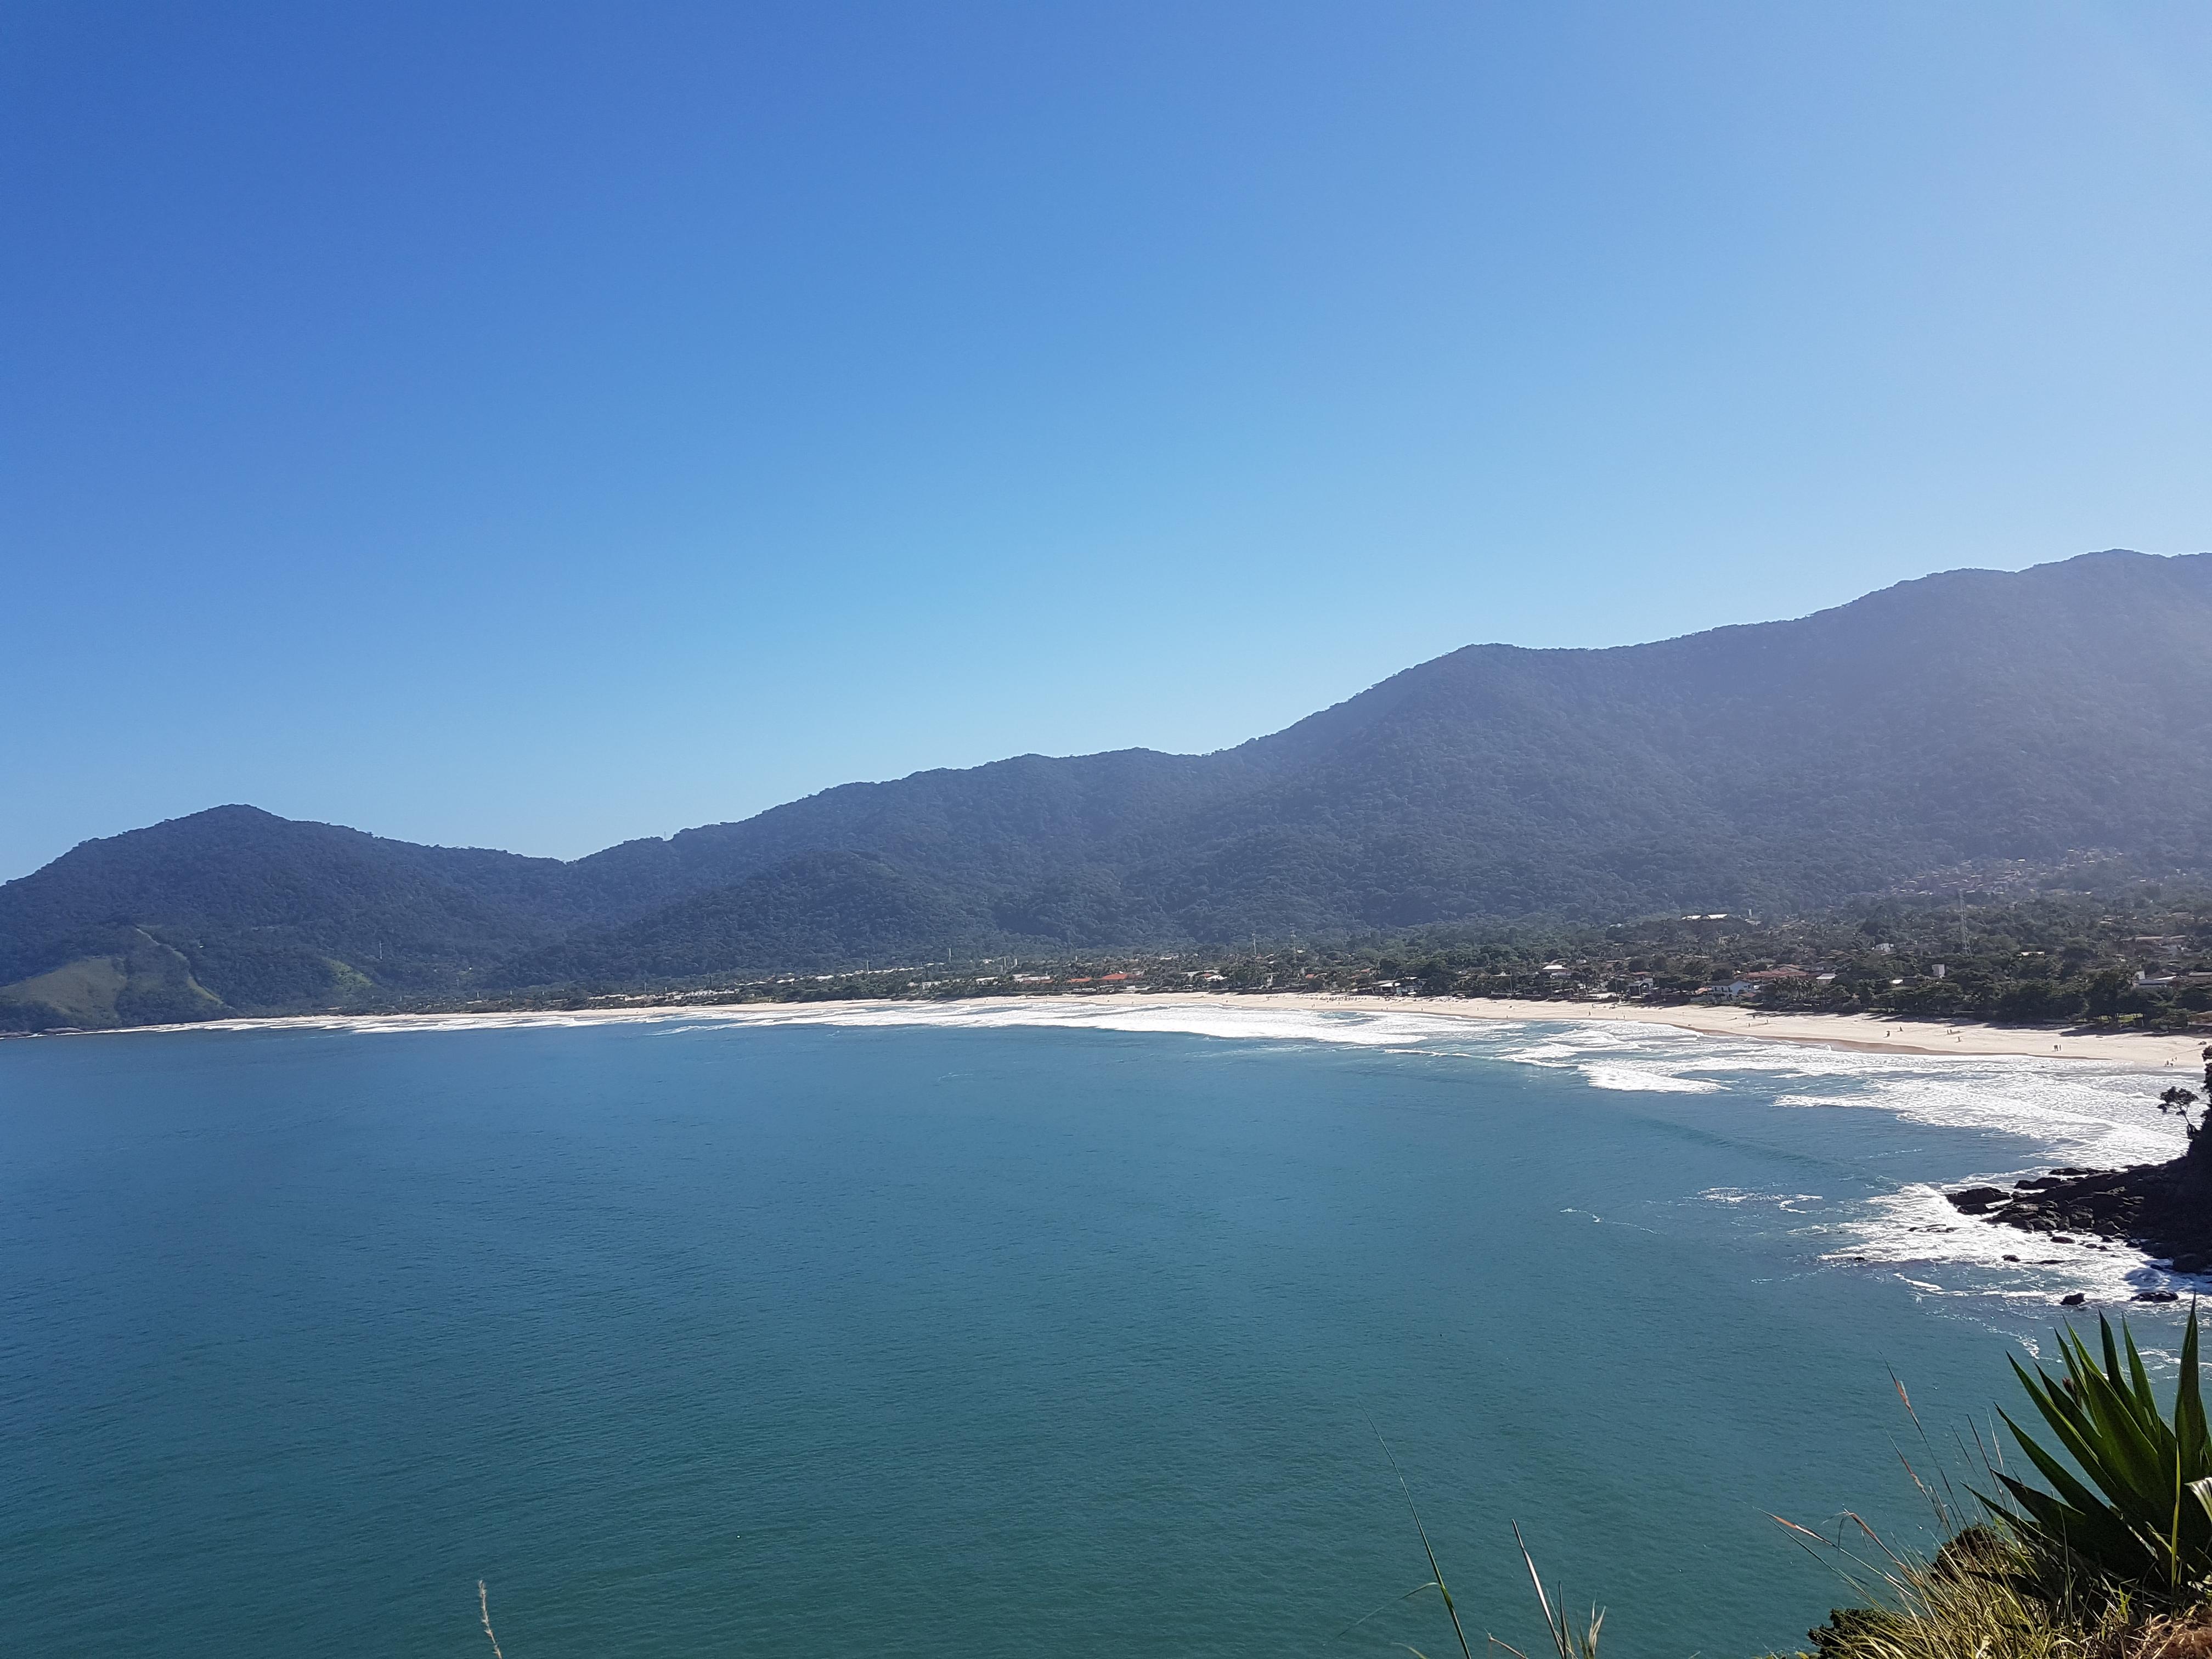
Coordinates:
<point>2141,964</point>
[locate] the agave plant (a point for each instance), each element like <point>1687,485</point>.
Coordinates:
<point>2138,1516</point>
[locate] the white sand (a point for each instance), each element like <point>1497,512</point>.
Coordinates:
<point>2179,1051</point>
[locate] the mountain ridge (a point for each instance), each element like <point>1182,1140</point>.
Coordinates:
<point>1964,714</point>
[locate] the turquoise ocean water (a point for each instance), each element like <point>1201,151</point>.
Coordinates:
<point>986,1331</point>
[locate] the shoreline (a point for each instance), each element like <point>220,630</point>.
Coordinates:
<point>2151,1051</point>
<point>2143,1051</point>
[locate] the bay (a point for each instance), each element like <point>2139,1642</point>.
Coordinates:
<point>990,1330</point>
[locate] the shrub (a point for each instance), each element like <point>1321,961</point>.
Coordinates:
<point>2138,1517</point>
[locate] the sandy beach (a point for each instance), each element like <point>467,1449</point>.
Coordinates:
<point>2153,1051</point>
<point>2178,1051</point>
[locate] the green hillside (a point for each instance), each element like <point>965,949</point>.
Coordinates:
<point>142,982</point>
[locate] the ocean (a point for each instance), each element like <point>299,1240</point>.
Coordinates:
<point>995,1329</point>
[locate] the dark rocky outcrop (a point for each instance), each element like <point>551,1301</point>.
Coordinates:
<point>2164,1210</point>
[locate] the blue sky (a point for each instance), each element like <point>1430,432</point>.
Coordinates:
<point>538,425</point>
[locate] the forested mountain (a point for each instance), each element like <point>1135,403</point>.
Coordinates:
<point>1974,714</point>
<point>267,912</point>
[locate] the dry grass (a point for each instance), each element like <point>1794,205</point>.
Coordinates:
<point>1932,1613</point>
<point>2189,1638</point>
<point>1977,1599</point>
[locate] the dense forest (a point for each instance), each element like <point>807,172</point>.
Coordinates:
<point>2040,724</point>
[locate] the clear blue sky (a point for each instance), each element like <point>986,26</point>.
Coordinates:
<point>538,425</point>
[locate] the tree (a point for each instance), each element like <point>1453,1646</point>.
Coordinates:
<point>2109,993</point>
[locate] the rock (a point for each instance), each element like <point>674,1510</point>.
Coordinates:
<point>2012,1258</point>
<point>2074,1301</point>
<point>2156,1295</point>
<point>1976,1200</point>
<point>2190,1264</point>
<point>2163,1209</point>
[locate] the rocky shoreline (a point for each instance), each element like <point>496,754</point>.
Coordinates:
<point>2164,1210</point>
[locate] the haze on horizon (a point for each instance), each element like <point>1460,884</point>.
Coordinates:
<point>536,427</point>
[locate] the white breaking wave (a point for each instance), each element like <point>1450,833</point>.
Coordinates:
<point>1378,1029</point>
<point>2073,1111</point>
<point>1916,1227</point>
<point>1649,1081</point>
